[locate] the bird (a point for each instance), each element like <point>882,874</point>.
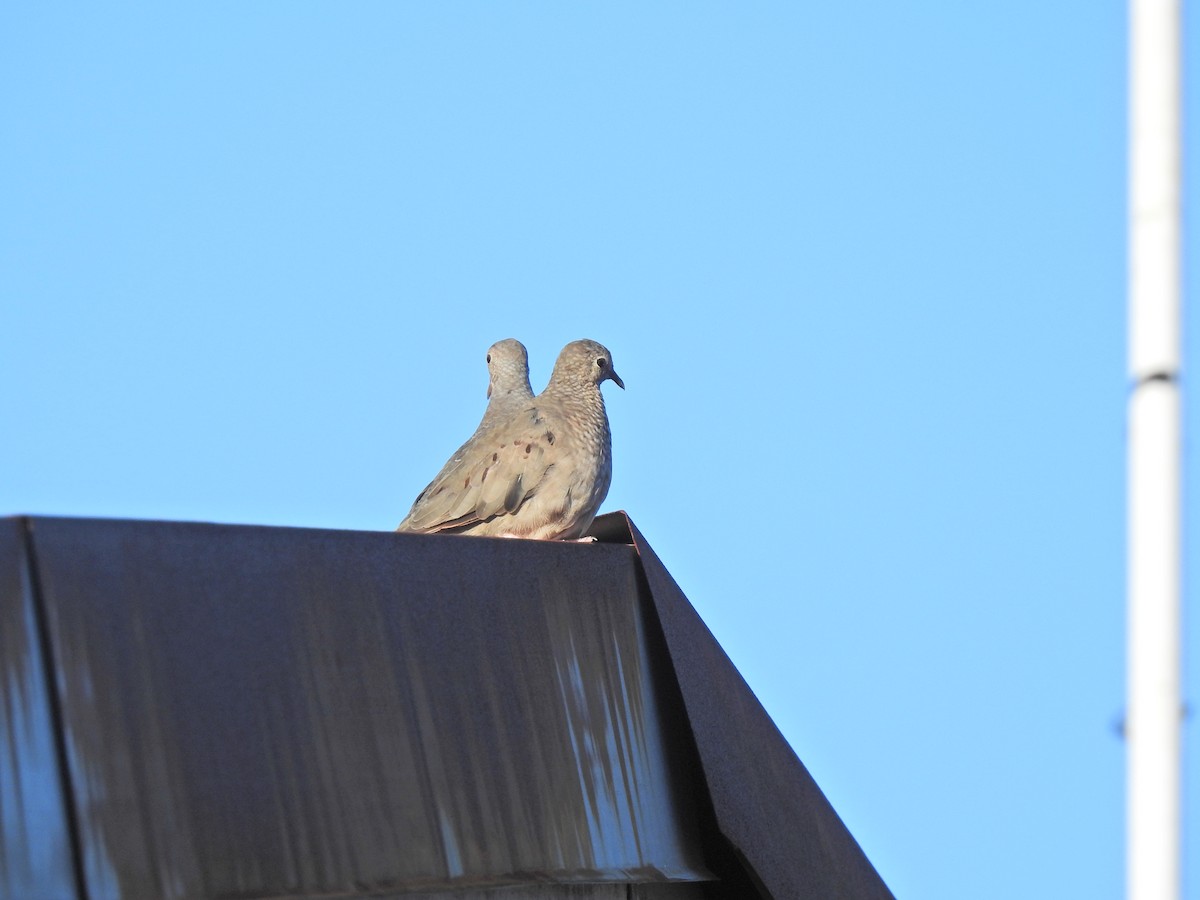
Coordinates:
<point>508,391</point>
<point>541,472</point>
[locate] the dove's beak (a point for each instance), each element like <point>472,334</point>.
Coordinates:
<point>612,373</point>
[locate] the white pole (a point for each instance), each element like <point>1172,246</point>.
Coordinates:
<point>1154,699</point>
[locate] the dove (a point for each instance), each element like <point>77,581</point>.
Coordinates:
<point>542,471</point>
<point>508,390</point>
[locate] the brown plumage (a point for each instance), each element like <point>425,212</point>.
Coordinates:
<point>540,473</point>
<point>508,391</point>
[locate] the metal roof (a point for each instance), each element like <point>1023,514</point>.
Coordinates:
<point>202,711</point>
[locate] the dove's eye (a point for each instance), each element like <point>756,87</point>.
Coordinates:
<point>489,358</point>
<point>602,362</point>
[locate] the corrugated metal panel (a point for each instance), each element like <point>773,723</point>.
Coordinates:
<point>35,849</point>
<point>285,712</point>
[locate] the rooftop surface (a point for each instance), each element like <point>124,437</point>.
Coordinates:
<point>202,711</point>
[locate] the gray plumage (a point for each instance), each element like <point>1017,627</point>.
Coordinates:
<point>540,473</point>
<point>508,391</point>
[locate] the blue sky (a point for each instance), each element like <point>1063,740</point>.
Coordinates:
<point>862,268</point>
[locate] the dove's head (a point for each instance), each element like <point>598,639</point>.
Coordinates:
<point>586,361</point>
<point>508,368</point>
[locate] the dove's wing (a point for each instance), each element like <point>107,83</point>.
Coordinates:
<point>508,392</point>
<point>493,479</point>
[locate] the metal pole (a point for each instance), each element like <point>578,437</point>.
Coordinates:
<point>1154,699</point>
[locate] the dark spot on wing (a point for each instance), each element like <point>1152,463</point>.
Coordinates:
<point>550,437</point>
<point>528,449</point>
<point>515,495</point>
<point>467,482</point>
<point>495,456</point>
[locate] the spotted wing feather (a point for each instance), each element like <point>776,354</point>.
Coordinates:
<point>491,482</point>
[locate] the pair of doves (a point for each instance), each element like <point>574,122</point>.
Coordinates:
<point>536,467</point>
